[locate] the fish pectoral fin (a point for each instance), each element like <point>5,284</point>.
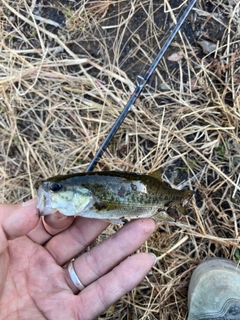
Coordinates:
<point>162,216</point>
<point>181,209</point>
<point>115,221</point>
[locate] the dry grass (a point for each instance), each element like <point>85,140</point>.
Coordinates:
<point>62,91</point>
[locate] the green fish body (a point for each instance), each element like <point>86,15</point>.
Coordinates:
<point>114,196</point>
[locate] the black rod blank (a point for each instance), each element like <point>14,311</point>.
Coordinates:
<point>139,89</point>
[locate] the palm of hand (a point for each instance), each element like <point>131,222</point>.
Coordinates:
<point>34,285</point>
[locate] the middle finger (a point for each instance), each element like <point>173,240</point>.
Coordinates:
<point>102,258</point>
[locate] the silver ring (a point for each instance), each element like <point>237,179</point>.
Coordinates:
<point>75,280</point>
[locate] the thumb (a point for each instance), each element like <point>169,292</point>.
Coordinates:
<point>17,220</point>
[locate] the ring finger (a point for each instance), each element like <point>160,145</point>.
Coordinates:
<point>105,256</point>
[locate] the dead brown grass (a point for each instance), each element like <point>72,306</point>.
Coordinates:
<point>61,92</point>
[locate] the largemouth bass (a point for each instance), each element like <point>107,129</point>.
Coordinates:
<point>114,196</point>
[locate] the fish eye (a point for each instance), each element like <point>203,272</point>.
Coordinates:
<point>55,187</point>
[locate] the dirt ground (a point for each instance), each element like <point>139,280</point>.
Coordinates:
<point>67,69</point>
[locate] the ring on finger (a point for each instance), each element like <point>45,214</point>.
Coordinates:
<point>73,276</point>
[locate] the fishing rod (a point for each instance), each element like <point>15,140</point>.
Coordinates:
<point>139,88</point>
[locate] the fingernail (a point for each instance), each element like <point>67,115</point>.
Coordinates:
<point>154,258</point>
<point>29,202</point>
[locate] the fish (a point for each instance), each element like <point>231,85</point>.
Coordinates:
<point>114,196</point>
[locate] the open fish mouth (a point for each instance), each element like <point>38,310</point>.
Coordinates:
<point>44,202</point>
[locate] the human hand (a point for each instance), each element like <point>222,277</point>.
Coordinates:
<point>33,282</point>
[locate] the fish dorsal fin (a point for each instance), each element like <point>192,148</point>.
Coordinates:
<point>156,174</point>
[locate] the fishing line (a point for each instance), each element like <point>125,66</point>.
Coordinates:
<point>139,88</point>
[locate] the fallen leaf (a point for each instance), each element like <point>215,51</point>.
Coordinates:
<point>207,46</point>
<point>177,56</point>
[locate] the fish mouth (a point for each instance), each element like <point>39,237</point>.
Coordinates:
<point>44,202</point>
